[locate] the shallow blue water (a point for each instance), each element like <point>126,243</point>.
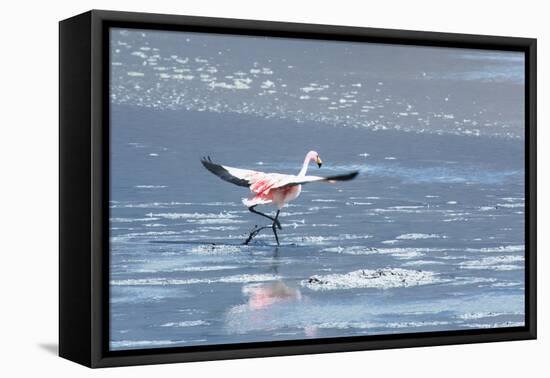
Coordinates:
<point>180,276</point>
<point>429,236</point>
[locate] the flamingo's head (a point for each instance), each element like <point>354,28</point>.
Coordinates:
<point>314,156</point>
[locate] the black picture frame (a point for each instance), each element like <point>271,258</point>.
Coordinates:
<point>84,188</point>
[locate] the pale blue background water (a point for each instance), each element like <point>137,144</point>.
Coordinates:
<point>438,137</point>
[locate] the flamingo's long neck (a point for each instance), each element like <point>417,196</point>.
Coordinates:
<point>303,171</point>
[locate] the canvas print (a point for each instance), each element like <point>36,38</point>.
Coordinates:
<point>266,189</point>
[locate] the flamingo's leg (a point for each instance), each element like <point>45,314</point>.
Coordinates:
<point>275,221</point>
<point>275,233</point>
<point>274,228</point>
<point>255,231</point>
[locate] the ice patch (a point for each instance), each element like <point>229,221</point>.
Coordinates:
<point>196,216</point>
<point>417,236</point>
<point>458,281</point>
<point>139,54</point>
<point>129,220</point>
<point>502,248</point>
<point>313,88</point>
<point>240,278</point>
<point>150,205</point>
<point>494,263</point>
<point>215,249</point>
<point>434,323</point>
<point>349,325</point>
<point>154,225</point>
<point>143,343</point>
<point>486,208</point>
<point>401,253</point>
<point>207,268</point>
<point>423,262</point>
<point>218,228</point>
<point>215,221</point>
<point>481,315</point>
<point>511,205</point>
<point>405,207</point>
<point>150,186</point>
<point>495,325</point>
<point>267,84</point>
<point>317,208</point>
<point>149,234</point>
<point>309,239</point>
<point>238,84</point>
<point>507,284</point>
<point>326,239</point>
<point>188,323</point>
<point>385,278</point>
<point>513,199</point>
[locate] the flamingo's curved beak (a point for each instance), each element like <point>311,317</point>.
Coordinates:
<point>319,161</point>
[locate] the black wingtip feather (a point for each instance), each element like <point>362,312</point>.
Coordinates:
<point>344,177</point>
<point>222,173</point>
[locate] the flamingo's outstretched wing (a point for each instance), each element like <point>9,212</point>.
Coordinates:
<point>261,182</point>
<point>237,176</point>
<point>297,180</point>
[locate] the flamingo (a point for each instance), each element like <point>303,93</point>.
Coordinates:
<point>277,189</point>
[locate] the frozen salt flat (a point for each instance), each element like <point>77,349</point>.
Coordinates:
<point>431,240</point>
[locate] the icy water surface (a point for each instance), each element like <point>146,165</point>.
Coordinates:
<point>429,236</point>
<point>426,238</point>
